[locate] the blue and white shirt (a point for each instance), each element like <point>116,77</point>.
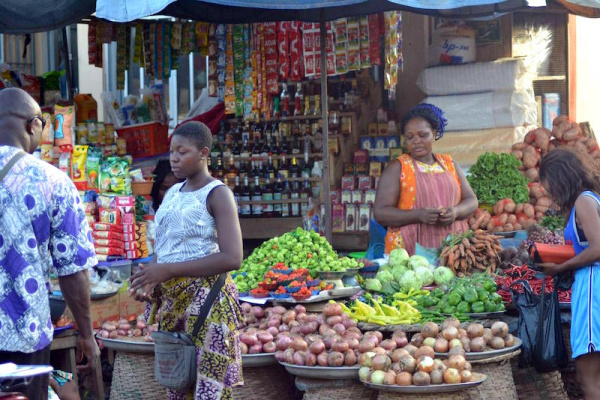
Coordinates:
<point>42,223</point>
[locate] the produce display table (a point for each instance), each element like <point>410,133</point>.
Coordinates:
<point>320,389</point>
<point>499,384</point>
<point>416,328</point>
<point>432,396</point>
<point>270,382</point>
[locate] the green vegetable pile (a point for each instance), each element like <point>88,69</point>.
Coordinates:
<point>296,249</point>
<point>473,294</point>
<point>495,177</point>
<point>553,222</point>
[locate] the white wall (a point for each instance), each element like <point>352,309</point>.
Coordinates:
<point>90,78</point>
<point>588,75</point>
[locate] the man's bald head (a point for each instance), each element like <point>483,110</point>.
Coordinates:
<point>17,108</point>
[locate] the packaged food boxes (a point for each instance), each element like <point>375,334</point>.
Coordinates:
<point>351,214</point>
<point>337,218</point>
<point>361,156</point>
<point>364,219</point>
<point>550,108</point>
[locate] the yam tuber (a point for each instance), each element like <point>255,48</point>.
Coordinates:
<point>499,207</point>
<point>529,137</point>
<point>518,146</point>
<point>559,120</point>
<point>518,227</point>
<point>539,215</point>
<point>580,145</point>
<point>519,209</point>
<point>518,154</point>
<point>532,174</point>
<point>503,218</point>
<point>544,202</point>
<point>530,157</point>
<point>592,144</point>
<point>542,138</point>
<point>571,134</point>
<point>509,228</point>
<point>529,211</point>
<point>512,219</point>
<point>509,206</point>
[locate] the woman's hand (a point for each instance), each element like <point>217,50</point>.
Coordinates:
<point>447,216</point>
<point>147,278</point>
<point>550,269</point>
<point>429,216</point>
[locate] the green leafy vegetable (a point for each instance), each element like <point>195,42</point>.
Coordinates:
<point>553,222</point>
<point>496,176</point>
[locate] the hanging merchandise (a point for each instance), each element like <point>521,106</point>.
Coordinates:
<point>238,68</point>
<point>256,72</point>
<point>284,49</point>
<point>265,106</point>
<point>121,56</point>
<point>137,44</point>
<point>375,43</point>
<point>270,32</point>
<point>308,41</point>
<point>248,85</point>
<point>147,50</point>
<point>92,46</point>
<point>201,34</point>
<point>295,48</point>
<point>229,69</point>
<point>365,56</point>
<point>166,47</point>
<point>158,52</point>
<point>399,33</point>
<point>353,45</point>
<point>176,41</point>
<point>391,53</point>
<point>341,45</point>
<point>217,63</point>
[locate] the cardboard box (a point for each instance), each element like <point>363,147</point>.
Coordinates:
<point>351,212</point>
<point>101,311</point>
<point>366,143</point>
<point>127,305</point>
<point>334,145</point>
<point>362,169</point>
<point>372,129</point>
<point>361,156</point>
<point>346,196</point>
<point>395,152</point>
<point>370,196</point>
<point>357,196</point>
<point>364,220</point>
<point>375,169</point>
<point>382,129</point>
<point>392,142</point>
<point>337,218</point>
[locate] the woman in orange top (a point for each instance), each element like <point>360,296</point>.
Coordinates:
<point>422,197</point>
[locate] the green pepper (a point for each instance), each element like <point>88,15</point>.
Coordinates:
<point>490,306</point>
<point>470,295</point>
<point>460,290</point>
<point>449,310</point>
<point>478,307</point>
<point>454,298</point>
<point>496,298</point>
<point>501,307</point>
<point>482,295</point>
<point>463,307</point>
<point>430,301</point>
<point>437,292</point>
<point>490,286</point>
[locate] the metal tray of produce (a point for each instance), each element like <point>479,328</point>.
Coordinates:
<point>351,271</point>
<point>332,274</point>
<point>129,346</point>
<point>494,314</point>
<point>346,291</point>
<point>471,356</point>
<point>506,235</point>
<point>429,389</point>
<point>322,372</point>
<point>101,296</point>
<point>258,360</point>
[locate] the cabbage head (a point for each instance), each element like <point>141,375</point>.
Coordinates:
<point>442,276</point>
<point>424,274</point>
<point>417,261</point>
<point>373,285</point>
<point>384,276</point>
<point>385,267</point>
<point>409,280</point>
<point>398,257</point>
<point>397,272</point>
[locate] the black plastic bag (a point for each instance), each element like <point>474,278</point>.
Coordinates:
<point>539,328</point>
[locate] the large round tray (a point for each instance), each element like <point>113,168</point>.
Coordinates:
<point>346,291</point>
<point>258,360</point>
<point>129,346</point>
<point>351,271</point>
<point>488,354</point>
<point>495,314</point>
<point>429,389</point>
<point>322,372</point>
<point>332,275</point>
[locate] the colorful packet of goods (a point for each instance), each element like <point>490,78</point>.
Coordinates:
<point>108,235</point>
<point>103,227</point>
<point>283,29</point>
<point>63,126</point>
<point>109,243</point>
<point>330,64</point>
<point>48,132</point>
<point>79,162</point>
<point>341,62</point>
<point>46,150</point>
<point>353,33</point>
<point>354,60</point>
<point>110,251</point>
<point>110,216</point>
<point>375,45</point>
<point>130,246</point>
<point>64,163</point>
<point>340,28</point>
<point>132,255</point>
<point>364,31</point>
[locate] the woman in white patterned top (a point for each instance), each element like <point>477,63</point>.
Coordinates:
<point>198,237</point>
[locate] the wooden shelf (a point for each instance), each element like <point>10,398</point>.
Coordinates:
<point>350,241</point>
<point>292,118</point>
<point>256,203</point>
<point>551,78</point>
<point>267,228</point>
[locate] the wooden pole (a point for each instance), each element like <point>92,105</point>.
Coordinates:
<point>324,107</point>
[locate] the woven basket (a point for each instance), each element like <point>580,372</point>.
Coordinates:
<point>318,389</point>
<point>499,384</point>
<point>265,383</point>
<point>433,396</point>
<point>133,378</point>
<point>531,385</point>
<point>569,373</point>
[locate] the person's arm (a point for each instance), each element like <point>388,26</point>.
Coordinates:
<point>588,207</point>
<point>222,206</point>
<point>386,202</point>
<point>468,201</point>
<point>76,291</point>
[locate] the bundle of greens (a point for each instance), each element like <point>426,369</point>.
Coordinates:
<point>496,176</point>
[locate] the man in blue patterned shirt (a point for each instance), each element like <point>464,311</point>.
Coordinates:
<point>42,223</point>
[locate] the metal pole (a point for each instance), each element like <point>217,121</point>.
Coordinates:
<point>324,107</point>
<point>67,58</point>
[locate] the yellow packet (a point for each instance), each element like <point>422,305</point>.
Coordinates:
<point>79,158</point>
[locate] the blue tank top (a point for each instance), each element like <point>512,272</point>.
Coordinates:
<point>575,235</point>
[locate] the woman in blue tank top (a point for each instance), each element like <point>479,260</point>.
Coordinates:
<point>573,181</point>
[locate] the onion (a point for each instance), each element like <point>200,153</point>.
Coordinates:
<point>451,376</point>
<point>300,309</point>
<point>103,334</point>
<point>257,311</point>
<point>289,355</point>
<point>274,322</point>
<point>113,334</point>
<point>323,328</point>
<point>308,328</point>
<point>381,362</point>
<point>243,348</point>
<point>317,347</point>
<point>322,360</point>
<point>340,345</point>
<point>284,328</point>
<point>302,318</point>
<point>332,309</point>
<point>379,350</point>
<point>403,379</point>
<point>288,317</point>
<point>466,376</point>
<point>441,345</point>
<point>256,349</point>
<point>335,359</point>
<point>389,378</point>
<point>388,345</point>
<point>364,373</point>
<point>365,346</point>
<point>269,347</point>
<point>321,319</point>
<point>246,307</point>
<point>352,335</point>
<point>350,358</point>
<point>299,344</point>
<point>377,377</point>
<point>336,319</point>
<point>355,330</point>
<point>310,360</point>
<point>408,364</point>
<point>279,356</point>
<point>365,359</point>
<point>293,324</point>
<point>457,362</point>
<point>295,330</point>
<point>339,328</point>
<point>349,323</point>
<point>279,310</point>
<point>499,329</point>
<point>429,330</point>
<point>249,339</point>
<point>426,364</point>
<point>300,358</point>
<point>273,331</point>
<point>263,325</point>
<point>329,341</point>
<point>421,378</point>
<point>265,337</point>
<point>398,354</point>
<point>352,343</point>
<point>450,333</point>
<point>313,317</point>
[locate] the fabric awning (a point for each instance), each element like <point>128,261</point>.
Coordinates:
<point>29,16</point>
<point>246,11</point>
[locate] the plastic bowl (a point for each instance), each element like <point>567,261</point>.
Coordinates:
<point>282,271</point>
<point>268,287</point>
<point>302,297</point>
<point>313,283</point>
<point>280,295</point>
<point>293,289</point>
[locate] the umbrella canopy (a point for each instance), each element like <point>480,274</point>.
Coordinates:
<point>246,11</point>
<point>29,16</point>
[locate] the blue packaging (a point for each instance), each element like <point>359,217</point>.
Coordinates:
<point>392,142</point>
<point>366,143</point>
<point>550,109</point>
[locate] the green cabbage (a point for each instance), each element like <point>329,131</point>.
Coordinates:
<point>409,280</point>
<point>384,276</point>
<point>442,276</point>
<point>397,272</point>
<point>373,285</point>
<point>398,257</point>
<point>417,261</point>
<point>424,274</point>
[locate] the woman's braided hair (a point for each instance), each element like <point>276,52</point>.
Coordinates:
<point>429,113</point>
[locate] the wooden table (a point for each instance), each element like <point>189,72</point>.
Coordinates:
<point>65,345</point>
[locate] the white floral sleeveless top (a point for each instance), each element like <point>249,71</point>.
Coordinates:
<point>185,230</point>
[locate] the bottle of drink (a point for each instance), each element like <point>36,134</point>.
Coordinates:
<point>220,171</point>
<point>295,147</point>
<point>317,172</point>
<point>236,151</point>
<point>256,150</point>
<point>243,171</point>
<point>265,150</point>
<point>317,109</point>
<point>227,151</point>
<point>305,194</point>
<point>271,168</point>
<point>286,195</point>
<point>252,173</point>
<point>283,168</point>
<point>276,112</point>
<point>216,150</point>
<point>245,153</point>
<point>274,151</point>
<point>267,197</point>
<point>237,193</point>
<point>211,169</point>
<point>230,135</point>
<point>294,169</point>
<point>295,195</point>
<point>256,195</point>
<point>298,100</point>
<point>245,209</point>
<point>306,166</point>
<point>222,133</point>
<point>285,101</point>
<point>277,195</point>
<point>261,171</point>
<point>232,171</point>
<point>283,149</point>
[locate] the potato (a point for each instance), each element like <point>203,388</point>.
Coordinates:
<point>519,209</point>
<point>518,146</point>
<point>542,138</point>
<point>499,207</point>
<point>530,157</point>
<point>529,211</point>
<point>530,137</point>
<point>570,135</point>
<point>509,206</point>
<point>512,219</point>
<point>518,154</point>
<point>559,120</point>
<point>532,174</point>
